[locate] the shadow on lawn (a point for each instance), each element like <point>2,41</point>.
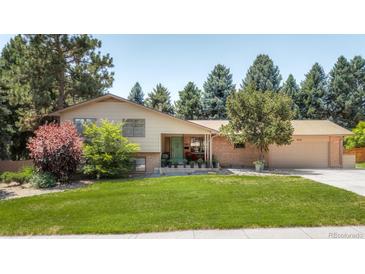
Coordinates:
<point>6,194</point>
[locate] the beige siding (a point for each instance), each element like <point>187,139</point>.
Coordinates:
<point>156,123</point>
<point>349,161</point>
<point>303,152</point>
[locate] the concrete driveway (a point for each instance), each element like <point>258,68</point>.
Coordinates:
<point>349,179</point>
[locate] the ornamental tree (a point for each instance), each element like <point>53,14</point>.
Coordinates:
<point>56,149</point>
<point>358,139</point>
<point>107,152</point>
<point>259,118</point>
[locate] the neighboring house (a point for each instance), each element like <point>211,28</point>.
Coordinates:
<point>316,143</point>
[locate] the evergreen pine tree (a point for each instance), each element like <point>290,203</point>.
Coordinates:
<point>189,104</point>
<point>291,88</point>
<point>217,88</point>
<point>160,99</point>
<point>344,99</point>
<point>47,72</point>
<point>358,70</point>
<point>6,127</point>
<point>311,94</point>
<point>263,75</point>
<point>136,95</point>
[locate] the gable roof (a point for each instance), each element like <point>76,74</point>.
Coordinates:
<point>301,127</point>
<point>120,99</point>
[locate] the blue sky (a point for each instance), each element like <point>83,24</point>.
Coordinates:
<point>173,60</point>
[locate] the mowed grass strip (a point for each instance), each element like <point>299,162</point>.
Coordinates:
<point>180,203</point>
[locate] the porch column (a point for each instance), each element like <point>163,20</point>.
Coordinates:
<point>210,149</point>
<point>205,147</point>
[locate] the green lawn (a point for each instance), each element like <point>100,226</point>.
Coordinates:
<point>190,202</point>
<point>360,165</point>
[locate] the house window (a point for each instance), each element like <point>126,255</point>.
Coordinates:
<point>239,145</point>
<point>79,123</point>
<point>134,128</point>
<point>138,164</point>
<point>197,144</point>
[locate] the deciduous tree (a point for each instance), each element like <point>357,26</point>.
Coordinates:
<point>358,139</point>
<point>56,149</point>
<point>259,118</point>
<point>106,151</point>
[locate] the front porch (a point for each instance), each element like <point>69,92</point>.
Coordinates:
<point>180,149</point>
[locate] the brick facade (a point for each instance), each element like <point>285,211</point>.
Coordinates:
<point>153,160</point>
<point>228,156</point>
<point>335,151</point>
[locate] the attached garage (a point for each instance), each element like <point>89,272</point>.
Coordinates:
<point>303,152</point>
<point>316,144</point>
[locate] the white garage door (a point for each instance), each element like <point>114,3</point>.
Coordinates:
<point>300,154</point>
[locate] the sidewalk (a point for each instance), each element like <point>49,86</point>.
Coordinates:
<point>341,232</point>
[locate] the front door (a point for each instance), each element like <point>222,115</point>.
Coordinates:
<point>177,149</point>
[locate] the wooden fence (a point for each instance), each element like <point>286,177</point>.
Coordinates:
<point>8,165</point>
<point>359,152</point>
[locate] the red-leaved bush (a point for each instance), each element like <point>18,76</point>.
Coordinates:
<point>56,149</point>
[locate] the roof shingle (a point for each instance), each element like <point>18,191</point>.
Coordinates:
<point>301,127</point>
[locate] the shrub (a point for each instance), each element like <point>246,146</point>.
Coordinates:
<point>56,149</point>
<point>43,180</point>
<point>358,139</point>
<point>20,177</point>
<point>106,151</point>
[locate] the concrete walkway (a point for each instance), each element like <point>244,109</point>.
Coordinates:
<point>341,232</point>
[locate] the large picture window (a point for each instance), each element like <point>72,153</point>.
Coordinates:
<point>197,144</point>
<point>134,128</point>
<point>79,123</point>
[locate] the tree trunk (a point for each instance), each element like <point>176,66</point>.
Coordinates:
<point>262,156</point>
<point>61,75</point>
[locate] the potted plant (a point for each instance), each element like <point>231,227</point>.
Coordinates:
<point>200,162</point>
<point>192,163</point>
<point>163,162</point>
<point>215,163</point>
<point>185,162</point>
<point>259,165</point>
<point>175,163</point>
<point>169,163</point>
